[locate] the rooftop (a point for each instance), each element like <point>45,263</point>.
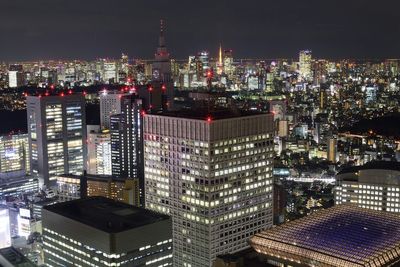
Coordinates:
<point>106,214</point>
<point>204,114</point>
<point>377,165</point>
<point>14,257</point>
<point>344,235</point>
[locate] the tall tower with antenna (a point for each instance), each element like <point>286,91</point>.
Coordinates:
<point>161,70</point>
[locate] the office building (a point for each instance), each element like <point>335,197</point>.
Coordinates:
<point>98,231</point>
<point>305,64</point>
<point>57,135</point>
<point>375,185</point>
<point>332,149</point>
<point>99,151</point>
<point>18,186</point>
<point>70,187</point>
<point>345,235</point>
<point>110,104</point>
<point>14,155</point>
<point>15,76</point>
<point>212,172</point>
<point>127,141</point>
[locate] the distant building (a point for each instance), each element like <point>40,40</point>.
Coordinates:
<point>332,150</point>
<point>344,235</point>
<point>212,172</point>
<point>97,231</point>
<point>18,186</point>
<point>110,104</point>
<point>57,135</point>
<point>72,187</point>
<point>305,64</point>
<point>15,76</point>
<point>14,155</point>
<point>99,151</point>
<point>375,185</point>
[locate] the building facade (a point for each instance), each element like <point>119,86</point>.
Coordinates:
<point>57,135</point>
<point>100,232</point>
<point>213,175</point>
<point>375,185</point>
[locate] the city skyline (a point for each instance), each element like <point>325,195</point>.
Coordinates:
<point>257,29</point>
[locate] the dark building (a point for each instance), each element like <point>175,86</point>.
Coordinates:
<point>98,231</point>
<point>11,257</point>
<point>127,141</point>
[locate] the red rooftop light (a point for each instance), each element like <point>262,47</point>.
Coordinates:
<point>209,119</point>
<point>163,87</point>
<point>143,113</point>
<point>62,94</point>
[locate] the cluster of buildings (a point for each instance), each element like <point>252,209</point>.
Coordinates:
<point>193,163</point>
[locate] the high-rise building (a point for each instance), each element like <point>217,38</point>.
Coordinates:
<point>98,231</point>
<point>212,172</point>
<point>99,151</point>
<point>305,64</point>
<point>15,76</point>
<point>110,104</point>
<point>57,135</point>
<point>375,185</point>
<point>228,62</point>
<point>161,72</point>
<point>127,141</point>
<point>14,155</point>
<point>18,186</point>
<point>332,150</point>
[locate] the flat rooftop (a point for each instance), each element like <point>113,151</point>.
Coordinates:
<point>106,214</point>
<point>14,257</point>
<point>344,235</point>
<point>204,114</point>
<point>377,165</point>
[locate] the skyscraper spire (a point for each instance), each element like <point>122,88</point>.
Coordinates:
<point>161,41</point>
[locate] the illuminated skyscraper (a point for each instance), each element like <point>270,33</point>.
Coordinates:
<point>99,151</point>
<point>15,76</point>
<point>305,64</point>
<point>127,141</point>
<point>228,62</point>
<point>110,104</point>
<point>57,135</point>
<point>212,172</point>
<point>14,155</point>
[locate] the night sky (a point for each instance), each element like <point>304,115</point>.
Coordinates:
<point>88,29</point>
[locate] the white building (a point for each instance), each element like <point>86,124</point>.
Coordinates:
<point>99,151</point>
<point>110,104</point>
<point>213,174</point>
<point>375,185</point>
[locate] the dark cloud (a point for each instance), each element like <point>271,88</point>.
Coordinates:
<point>86,29</point>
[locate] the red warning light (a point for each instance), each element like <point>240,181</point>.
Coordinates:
<point>150,89</point>
<point>163,87</point>
<point>70,92</point>
<point>62,94</point>
<point>143,113</point>
<point>209,119</point>
<point>84,92</point>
